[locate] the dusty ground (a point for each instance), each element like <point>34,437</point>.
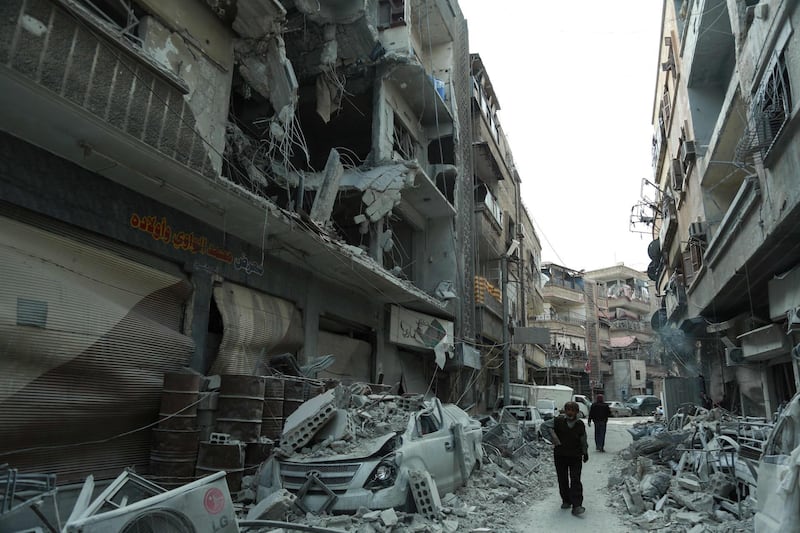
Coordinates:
<point>601,515</point>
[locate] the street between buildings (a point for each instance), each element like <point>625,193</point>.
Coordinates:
<point>601,515</point>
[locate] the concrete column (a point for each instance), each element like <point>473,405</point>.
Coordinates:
<point>200,308</point>
<point>382,123</point>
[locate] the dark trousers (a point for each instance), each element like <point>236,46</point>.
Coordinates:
<point>600,434</point>
<point>568,471</point>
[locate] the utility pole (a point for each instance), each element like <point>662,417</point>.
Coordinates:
<point>506,340</point>
<point>506,337</point>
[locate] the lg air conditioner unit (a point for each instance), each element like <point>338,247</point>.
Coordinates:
<point>676,175</point>
<point>202,506</point>
<point>734,356</point>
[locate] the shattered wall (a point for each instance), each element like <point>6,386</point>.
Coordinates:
<point>182,43</point>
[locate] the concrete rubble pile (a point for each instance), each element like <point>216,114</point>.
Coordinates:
<point>511,469</point>
<point>697,474</point>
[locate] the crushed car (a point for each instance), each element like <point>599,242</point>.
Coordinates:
<point>340,452</point>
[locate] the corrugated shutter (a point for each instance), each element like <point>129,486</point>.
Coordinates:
<point>86,337</point>
<point>256,325</point>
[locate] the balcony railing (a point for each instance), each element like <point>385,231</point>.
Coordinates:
<point>635,325</point>
<point>571,318</point>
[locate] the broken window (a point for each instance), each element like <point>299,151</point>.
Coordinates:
<point>666,104</point>
<point>121,15</point>
<point>772,105</point>
<point>403,143</point>
<point>391,13</point>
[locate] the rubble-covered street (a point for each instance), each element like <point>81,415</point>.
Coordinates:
<point>350,459</point>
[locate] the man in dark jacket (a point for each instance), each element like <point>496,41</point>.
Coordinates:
<point>599,413</point>
<point>570,448</point>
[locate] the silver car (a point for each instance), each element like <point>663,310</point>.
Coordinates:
<point>547,408</point>
<point>619,409</point>
<point>378,476</point>
<point>527,416</point>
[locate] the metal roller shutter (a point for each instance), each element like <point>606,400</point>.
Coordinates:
<point>256,325</point>
<point>85,337</point>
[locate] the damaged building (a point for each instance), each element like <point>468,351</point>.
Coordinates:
<point>725,254</point>
<point>211,185</point>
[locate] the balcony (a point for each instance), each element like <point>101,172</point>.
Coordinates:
<point>106,100</point>
<point>635,304</point>
<point>563,293</point>
<point>563,324</point>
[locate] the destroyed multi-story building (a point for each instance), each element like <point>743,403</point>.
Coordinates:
<point>209,184</point>
<point>628,363</point>
<point>507,249</point>
<point>565,316</point>
<point>726,252</point>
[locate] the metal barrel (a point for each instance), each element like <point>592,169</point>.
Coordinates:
<point>206,413</point>
<point>255,454</point>
<point>240,407</point>
<point>272,414</point>
<point>293,395</point>
<point>312,389</point>
<point>213,457</point>
<point>173,456</point>
<point>179,401</point>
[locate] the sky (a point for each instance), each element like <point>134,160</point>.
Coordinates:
<point>575,80</point>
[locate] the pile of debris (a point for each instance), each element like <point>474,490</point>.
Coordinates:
<point>491,500</point>
<point>698,472</point>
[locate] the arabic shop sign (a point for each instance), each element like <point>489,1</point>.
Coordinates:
<point>160,230</point>
<point>421,331</point>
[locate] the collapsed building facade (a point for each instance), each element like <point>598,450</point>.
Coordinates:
<point>207,185</point>
<point>725,253</point>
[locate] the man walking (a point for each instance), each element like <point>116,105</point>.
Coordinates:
<point>599,413</point>
<point>570,448</point>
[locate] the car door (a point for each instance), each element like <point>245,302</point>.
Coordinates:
<point>778,490</point>
<point>434,446</point>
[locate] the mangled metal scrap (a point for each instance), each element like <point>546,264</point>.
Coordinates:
<point>701,465</point>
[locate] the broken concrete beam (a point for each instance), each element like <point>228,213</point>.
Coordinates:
<point>273,507</point>
<point>426,496</point>
<point>389,518</point>
<point>694,501</point>
<point>633,497</point>
<point>690,482</point>
<point>302,425</point>
<point>340,427</point>
<point>326,195</point>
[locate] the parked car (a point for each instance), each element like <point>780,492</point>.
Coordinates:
<point>643,405</point>
<point>547,408</point>
<point>528,416</point>
<point>619,409</point>
<point>376,476</point>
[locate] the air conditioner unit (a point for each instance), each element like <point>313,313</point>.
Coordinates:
<point>734,356</point>
<point>688,152</point>
<point>202,506</point>
<point>697,230</point>
<point>676,175</point>
<point>793,320</point>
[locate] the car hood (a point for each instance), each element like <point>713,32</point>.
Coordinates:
<point>366,448</point>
